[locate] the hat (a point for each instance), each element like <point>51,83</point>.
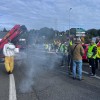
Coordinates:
<point>78,40</point>
<point>92,41</point>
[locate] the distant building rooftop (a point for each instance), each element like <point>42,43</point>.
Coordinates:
<point>80,32</point>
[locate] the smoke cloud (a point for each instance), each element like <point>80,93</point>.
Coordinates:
<point>36,62</point>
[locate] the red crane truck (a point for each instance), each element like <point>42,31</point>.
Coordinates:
<point>13,35</point>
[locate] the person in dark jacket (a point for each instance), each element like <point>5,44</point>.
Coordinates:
<point>70,63</point>
<point>91,55</point>
<point>98,56</point>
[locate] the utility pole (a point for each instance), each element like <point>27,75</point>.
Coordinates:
<point>69,22</point>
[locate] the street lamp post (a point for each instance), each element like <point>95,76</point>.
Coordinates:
<point>69,22</point>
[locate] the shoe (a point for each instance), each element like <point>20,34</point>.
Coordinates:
<point>81,79</point>
<point>69,73</point>
<point>9,72</point>
<point>90,66</point>
<point>92,75</point>
<point>74,78</point>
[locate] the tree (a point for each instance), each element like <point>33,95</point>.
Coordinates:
<point>73,31</point>
<point>98,32</point>
<point>92,33</point>
<point>4,30</point>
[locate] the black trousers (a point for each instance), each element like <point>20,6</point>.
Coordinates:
<point>70,62</point>
<point>97,63</point>
<point>92,62</point>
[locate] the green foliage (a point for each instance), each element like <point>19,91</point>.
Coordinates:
<point>99,32</point>
<point>87,39</point>
<point>4,30</point>
<point>92,33</point>
<point>73,31</point>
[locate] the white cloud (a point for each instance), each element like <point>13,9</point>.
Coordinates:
<point>50,13</point>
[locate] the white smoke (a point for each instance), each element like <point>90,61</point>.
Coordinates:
<point>37,62</point>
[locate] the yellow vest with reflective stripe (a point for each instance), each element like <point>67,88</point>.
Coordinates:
<point>98,52</point>
<point>90,53</point>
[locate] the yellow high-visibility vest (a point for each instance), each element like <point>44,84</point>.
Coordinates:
<point>70,43</point>
<point>90,53</point>
<point>98,52</point>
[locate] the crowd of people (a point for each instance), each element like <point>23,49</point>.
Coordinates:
<point>72,56</point>
<point>93,56</point>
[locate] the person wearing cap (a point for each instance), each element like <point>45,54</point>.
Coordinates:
<point>77,52</point>
<point>9,52</point>
<point>91,55</point>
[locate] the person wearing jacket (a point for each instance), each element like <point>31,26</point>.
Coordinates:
<point>70,62</point>
<point>77,52</point>
<point>61,50</point>
<point>98,56</point>
<point>91,55</point>
<point>9,52</point>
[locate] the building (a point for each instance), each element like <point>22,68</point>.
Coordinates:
<point>80,32</point>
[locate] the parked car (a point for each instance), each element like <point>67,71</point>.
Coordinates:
<point>85,46</point>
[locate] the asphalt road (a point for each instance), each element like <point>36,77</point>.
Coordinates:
<point>40,78</point>
<point>53,84</point>
<point>4,83</point>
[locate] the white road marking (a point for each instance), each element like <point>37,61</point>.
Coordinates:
<point>97,77</point>
<point>83,72</point>
<point>12,89</point>
<point>88,73</point>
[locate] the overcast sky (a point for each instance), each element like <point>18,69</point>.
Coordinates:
<point>36,14</point>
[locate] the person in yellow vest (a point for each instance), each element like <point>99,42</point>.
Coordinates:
<point>91,55</point>
<point>63,51</point>
<point>70,43</point>
<point>98,56</point>
<point>69,58</point>
<point>46,47</point>
<point>9,52</point>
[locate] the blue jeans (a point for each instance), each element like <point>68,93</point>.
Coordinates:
<point>77,65</point>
